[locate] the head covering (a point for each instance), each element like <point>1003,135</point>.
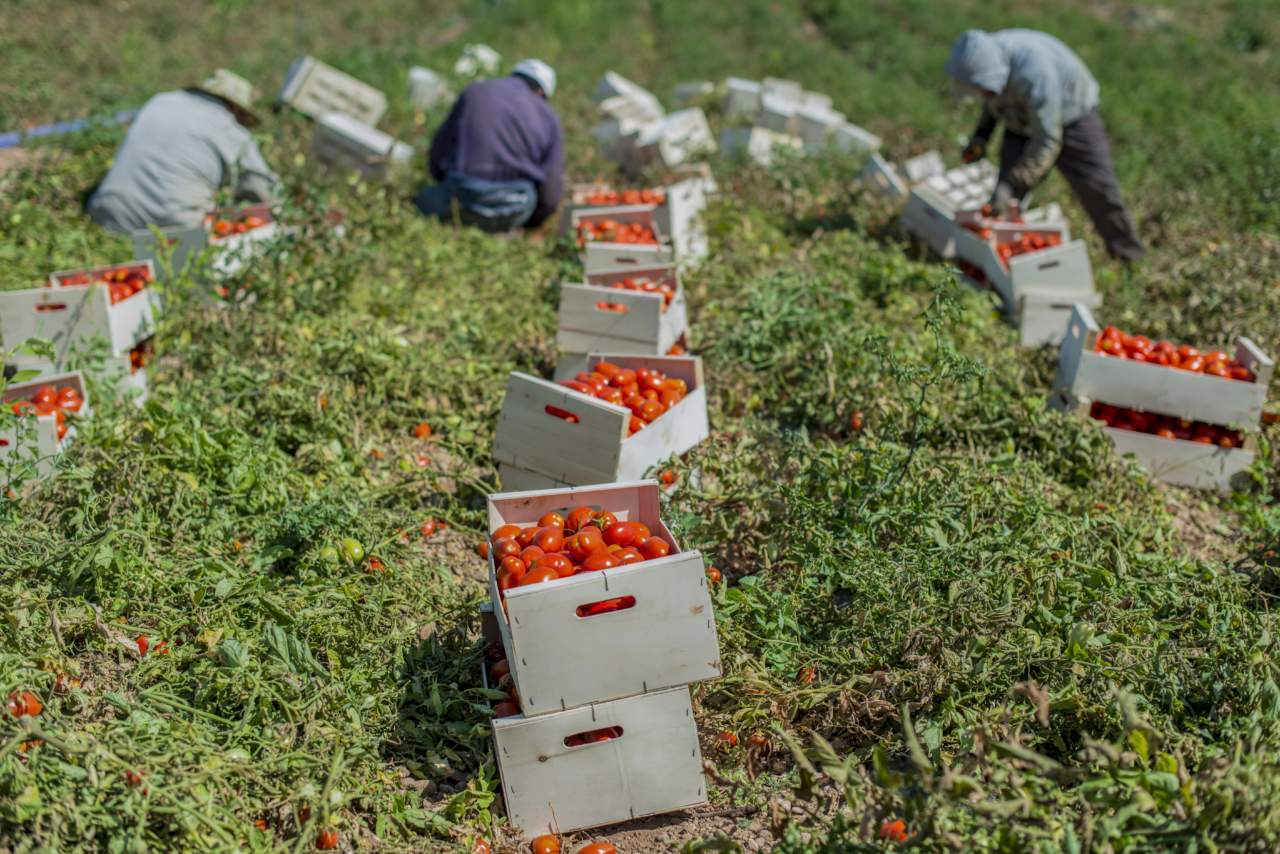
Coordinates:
<point>234,90</point>
<point>977,60</point>
<point>539,73</point>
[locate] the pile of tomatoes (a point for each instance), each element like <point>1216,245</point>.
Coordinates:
<point>648,286</point>
<point>139,356</point>
<point>647,393</point>
<point>558,546</point>
<point>612,231</point>
<point>501,679</point>
<point>122,282</point>
<point>1140,348</point>
<point>625,197</point>
<point>1032,242</point>
<point>1165,426</point>
<point>226,227</point>
<point>50,400</point>
<point>973,271</point>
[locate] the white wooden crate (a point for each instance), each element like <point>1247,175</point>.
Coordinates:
<point>1087,375</point>
<point>594,318</point>
<point>1041,316</point>
<point>781,87</point>
<point>923,166</point>
<point>628,108</point>
<point>340,140</point>
<point>778,113</point>
<point>848,137</point>
<point>596,449</point>
<point>313,88</point>
<point>1058,269</point>
<point>562,661</point>
<point>816,126</point>
<point>614,85</point>
<point>757,144</point>
<point>654,765</point>
<point>741,98</point>
<point>881,176</point>
<point>1185,463</point>
<point>32,443</point>
<point>71,314</point>
<point>427,89</point>
<point>678,138</point>
<point>680,218</point>
<point>928,216</point>
<point>692,91</point>
<point>173,250</point>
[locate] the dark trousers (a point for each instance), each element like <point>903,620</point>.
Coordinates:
<point>1085,161</point>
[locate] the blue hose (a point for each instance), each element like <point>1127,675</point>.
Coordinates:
<point>15,137</point>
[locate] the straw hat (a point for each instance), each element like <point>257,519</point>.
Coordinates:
<point>233,90</point>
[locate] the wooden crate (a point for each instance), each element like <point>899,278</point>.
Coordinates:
<point>313,88</point>
<point>1184,463</point>
<point>171,250</point>
<point>562,661</point>
<point>816,126</point>
<point>70,314</point>
<point>741,99</point>
<point>680,218</point>
<point>1085,375</point>
<point>341,141</point>
<point>778,113</point>
<point>1041,316</point>
<point>881,176</point>
<point>31,446</point>
<point>928,216</point>
<point>757,144</point>
<point>678,138</point>
<point>923,166</point>
<point>594,318</point>
<point>653,766</point>
<point>850,138</point>
<point>596,448</point>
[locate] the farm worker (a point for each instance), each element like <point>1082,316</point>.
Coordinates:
<point>1048,101</point>
<point>182,147</point>
<point>498,159</point>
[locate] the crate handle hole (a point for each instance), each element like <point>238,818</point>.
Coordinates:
<point>1049,265</point>
<point>606,606</point>
<point>595,736</point>
<point>52,306</point>
<point>562,414</point>
<point>625,259</point>
<point>615,307</point>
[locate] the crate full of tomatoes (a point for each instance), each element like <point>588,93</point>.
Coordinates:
<point>621,239</point>
<point>115,303</point>
<point>595,599</point>
<point>677,211</point>
<point>38,422</point>
<point>640,311</point>
<point>1185,413</point>
<point>235,237</point>
<point>613,421</point>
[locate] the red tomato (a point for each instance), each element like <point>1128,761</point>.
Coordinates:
<point>499,669</point>
<point>482,549</point>
<point>512,531</point>
<point>610,395</point>
<point>422,430</point>
<point>505,709</point>
<point>530,554</point>
<point>526,535</point>
<point>598,848</point>
<point>713,575</point>
<point>504,546</point>
<point>23,407</point>
<point>600,559</point>
<point>546,844</point>
<point>606,369</point>
<point>628,555</point>
<point>514,567</point>
<point>540,575</point>
<point>551,520</point>
<point>561,565</point>
<point>24,704</point>
<point>327,839</point>
<point>603,519</point>
<point>69,398</point>
<point>578,517</point>
<point>583,543</point>
<point>622,378</point>
<point>481,846</point>
<point>655,547</point>
<point>46,395</point>
<point>652,411</point>
<point>621,534</point>
<point>549,539</point>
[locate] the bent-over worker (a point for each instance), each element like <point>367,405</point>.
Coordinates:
<point>1048,102</point>
<point>499,156</point>
<point>182,147</point>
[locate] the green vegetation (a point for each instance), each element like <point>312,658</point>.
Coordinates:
<point>1016,641</point>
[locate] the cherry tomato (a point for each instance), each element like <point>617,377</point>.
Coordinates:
<point>23,407</point>
<point>727,738</point>
<point>422,430</point>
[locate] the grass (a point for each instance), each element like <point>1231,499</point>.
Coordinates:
<point>968,615</point>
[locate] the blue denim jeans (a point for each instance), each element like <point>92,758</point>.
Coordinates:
<point>494,206</point>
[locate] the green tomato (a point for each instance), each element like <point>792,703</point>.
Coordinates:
<point>351,550</point>
<point>329,554</point>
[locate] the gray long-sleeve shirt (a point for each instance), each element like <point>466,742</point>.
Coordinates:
<point>1040,86</point>
<point>181,148</point>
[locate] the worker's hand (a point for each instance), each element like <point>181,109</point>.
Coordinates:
<point>974,151</point>
<point>1002,196</point>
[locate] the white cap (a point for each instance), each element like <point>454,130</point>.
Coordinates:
<point>539,72</point>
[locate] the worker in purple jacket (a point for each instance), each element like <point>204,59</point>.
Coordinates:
<point>498,159</point>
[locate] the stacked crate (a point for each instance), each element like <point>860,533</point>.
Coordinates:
<point>78,307</point>
<point>1038,286</point>
<point>1086,376</point>
<point>782,114</point>
<point>601,663</point>
<point>637,133</point>
<point>932,205</point>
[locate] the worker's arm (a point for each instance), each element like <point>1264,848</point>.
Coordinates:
<point>986,126</point>
<point>445,143</point>
<point>1042,94</point>
<point>255,182</point>
<point>552,187</point>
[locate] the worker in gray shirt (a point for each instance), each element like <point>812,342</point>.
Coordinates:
<point>181,149</point>
<point>1048,102</point>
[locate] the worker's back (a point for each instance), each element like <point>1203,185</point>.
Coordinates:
<point>176,154</point>
<point>498,130</point>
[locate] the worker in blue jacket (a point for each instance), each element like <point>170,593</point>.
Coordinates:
<point>499,156</point>
<point>1048,102</point>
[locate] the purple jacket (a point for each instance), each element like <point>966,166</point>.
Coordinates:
<point>501,130</point>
